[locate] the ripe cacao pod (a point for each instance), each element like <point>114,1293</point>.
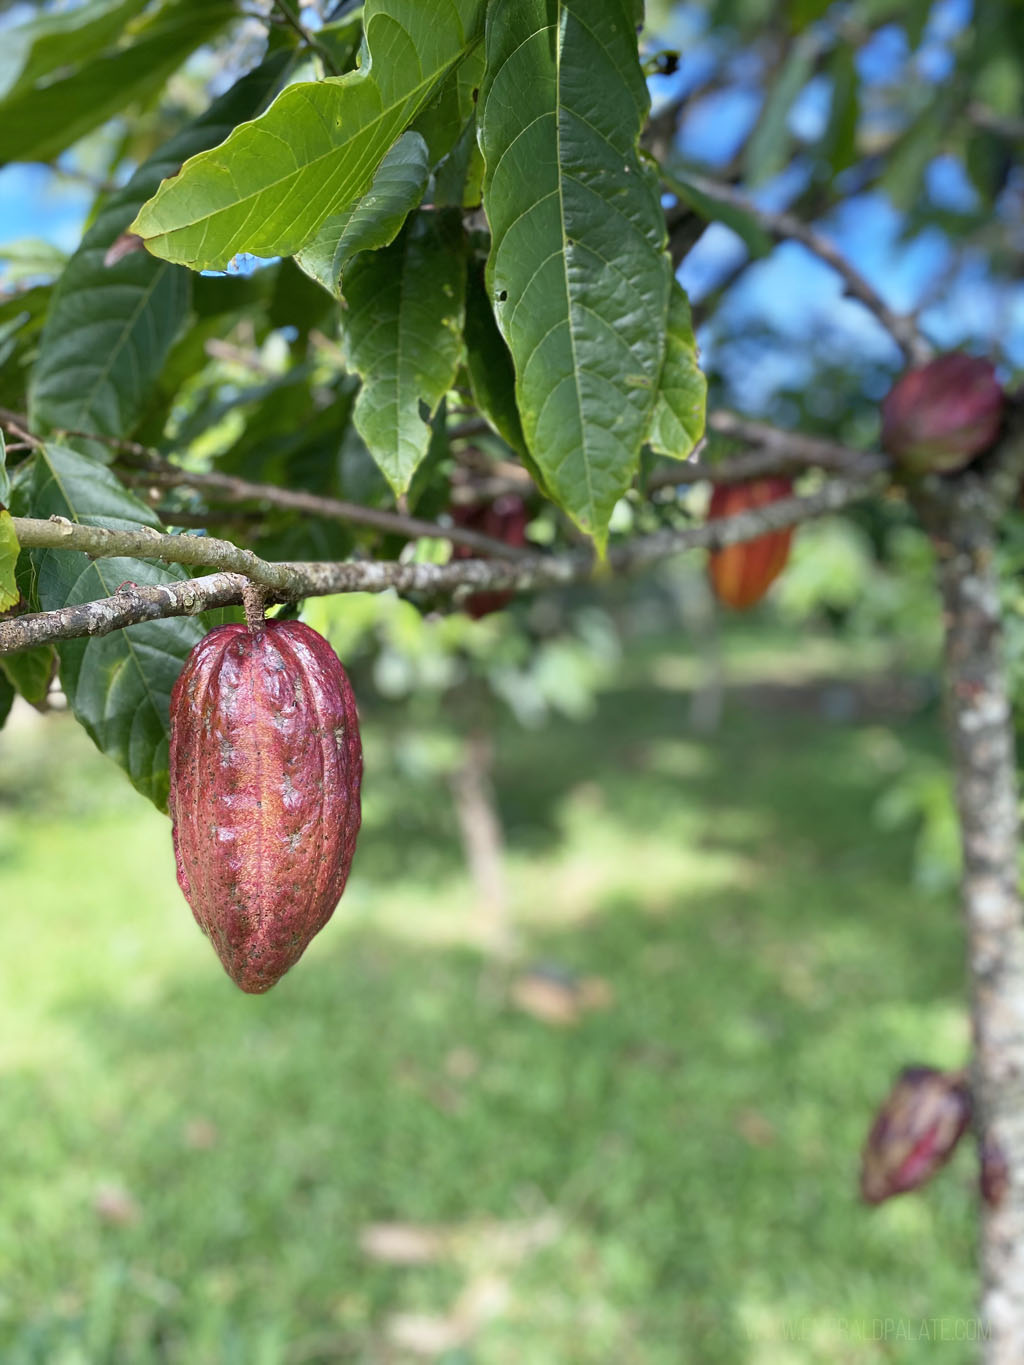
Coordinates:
<point>915,1132</point>
<point>503,519</point>
<point>939,416</point>
<point>265,770</point>
<point>741,574</point>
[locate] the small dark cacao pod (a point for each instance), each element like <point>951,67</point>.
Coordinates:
<point>741,574</point>
<point>938,417</point>
<point>915,1132</point>
<point>504,519</point>
<point>265,769</point>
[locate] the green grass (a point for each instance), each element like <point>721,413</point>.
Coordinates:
<point>672,1180</point>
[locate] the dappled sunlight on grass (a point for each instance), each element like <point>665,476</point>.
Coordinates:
<point>668,1175</point>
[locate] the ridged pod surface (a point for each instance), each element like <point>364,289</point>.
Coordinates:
<point>265,770</point>
<point>742,574</point>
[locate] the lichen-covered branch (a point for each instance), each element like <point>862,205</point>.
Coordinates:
<point>962,518</point>
<point>99,542</point>
<point>287,582</point>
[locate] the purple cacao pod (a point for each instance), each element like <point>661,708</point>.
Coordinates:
<point>915,1132</point>
<point>265,769</point>
<point>938,417</point>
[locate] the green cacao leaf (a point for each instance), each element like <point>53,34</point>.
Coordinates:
<point>678,420</point>
<point>9,551</point>
<point>577,274</point>
<point>5,479</point>
<point>315,151</point>
<point>374,220</point>
<point>444,119</point>
<point>30,672</point>
<point>39,120</point>
<point>118,685</point>
<point>110,327</point>
<point>403,335</point>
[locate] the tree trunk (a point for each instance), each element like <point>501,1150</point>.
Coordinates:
<point>980,723</point>
<point>482,842</point>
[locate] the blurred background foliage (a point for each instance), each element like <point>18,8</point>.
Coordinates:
<point>716,854</point>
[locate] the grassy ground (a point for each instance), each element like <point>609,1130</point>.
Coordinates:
<point>197,1177</point>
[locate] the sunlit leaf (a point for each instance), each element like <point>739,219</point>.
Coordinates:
<point>375,219</point>
<point>9,551</point>
<point>315,151</point>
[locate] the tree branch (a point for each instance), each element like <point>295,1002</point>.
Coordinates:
<point>160,472</point>
<point>335,509</point>
<point>787,227</point>
<point>961,516</point>
<point>131,605</point>
<point>777,451</point>
<point>98,542</point>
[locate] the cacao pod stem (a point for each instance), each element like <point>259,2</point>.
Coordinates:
<point>254,601</point>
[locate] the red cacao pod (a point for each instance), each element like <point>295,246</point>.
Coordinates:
<point>938,417</point>
<point>265,769</point>
<point>504,519</point>
<point>742,574</point>
<point>915,1132</point>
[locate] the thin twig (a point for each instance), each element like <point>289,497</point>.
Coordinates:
<point>161,473</point>
<point>131,605</point>
<point>336,509</point>
<point>775,451</point>
<point>787,227</point>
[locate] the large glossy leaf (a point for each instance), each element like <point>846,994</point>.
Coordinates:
<point>110,327</point>
<point>577,273</point>
<point>118,685</point>
<point>374,220</point>
<point>30,672</point>
<point>678,420</point>
<point>403,335</point>
<point>316,149</point>
<point>41,119</point>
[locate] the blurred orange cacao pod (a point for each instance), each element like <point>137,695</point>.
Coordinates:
<point>938,417</point>
<point>742,574</point>
<point>915,1132</point>
<point>503,519</point>
<point>265,770</point>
